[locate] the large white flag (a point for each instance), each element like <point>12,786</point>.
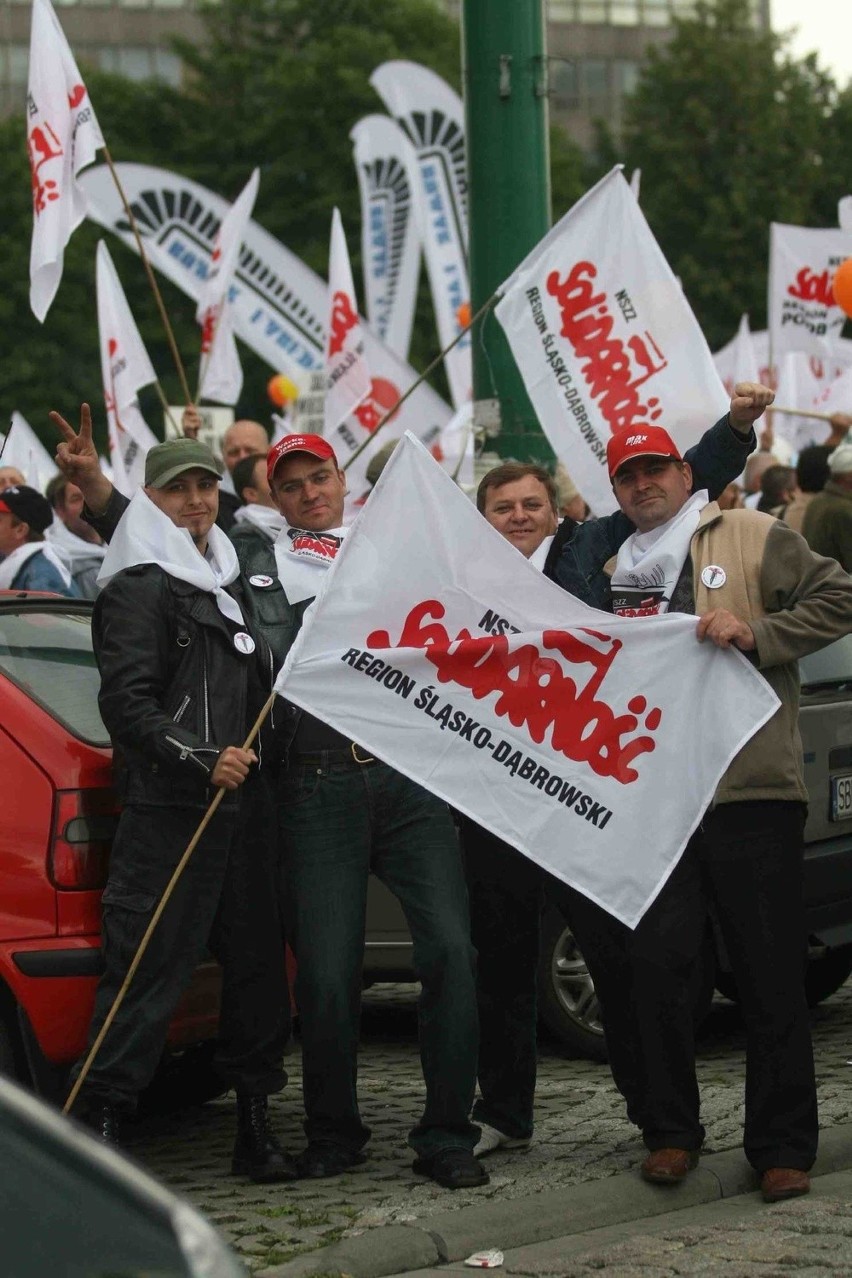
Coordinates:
<point>432,116</point>
<point>125,369</point>
<point>605,339</point>
<point>62,136</point>
<point>803,315</point>
<point>348,378</point>
<point>278,304</point>
<point>437,647</point>
<point>390,235</point>
<point>221,372</point>
<point>24,449</point>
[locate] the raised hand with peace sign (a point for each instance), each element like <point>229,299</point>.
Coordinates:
<point>77,458</point>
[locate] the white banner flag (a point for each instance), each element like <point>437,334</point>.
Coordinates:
<point>803,315</point>
<point>221,372</point>
<point>62,137</point>
<point>348,378</point>
<point>432,116</point>
<point>605,339</point>
<point>390,237</point>
<point>557,727</point>
<point>455,447</point>
<point>24,449</point>
<point>278,304</point>
<point>125,369</point>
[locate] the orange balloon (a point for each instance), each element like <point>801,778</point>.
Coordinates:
<point>841,286</point>
<point>463,314</point>
<point>281,390</point>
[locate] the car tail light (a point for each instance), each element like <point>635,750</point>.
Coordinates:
<point>84,822</point>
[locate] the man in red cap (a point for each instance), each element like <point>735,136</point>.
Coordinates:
<point>755,586</point>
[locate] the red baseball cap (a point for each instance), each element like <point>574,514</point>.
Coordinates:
<point>639,441</point>
<point>313,444</point>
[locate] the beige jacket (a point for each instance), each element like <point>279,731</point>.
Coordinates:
<point>795,602</point>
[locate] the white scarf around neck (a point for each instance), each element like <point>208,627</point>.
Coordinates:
<point>301,558</point>
<point>14,562</point>
<point>266,518</point>
<point>70,544</point>
<point>650,563</point>
<point>146,535</point>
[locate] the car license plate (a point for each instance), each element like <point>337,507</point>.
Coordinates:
<point>841,797</point>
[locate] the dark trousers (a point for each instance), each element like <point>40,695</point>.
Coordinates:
<point>506,899</point>
<point>227,899</point>
<point>746,864</point>
<point>339,822</point>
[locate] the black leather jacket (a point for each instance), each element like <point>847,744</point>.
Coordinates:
<point>174,689</point>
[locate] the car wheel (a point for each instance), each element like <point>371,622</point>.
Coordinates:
<point>567,1003</point>
<point>826,972</point>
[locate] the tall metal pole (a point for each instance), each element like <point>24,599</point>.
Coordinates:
<point>505,93</point>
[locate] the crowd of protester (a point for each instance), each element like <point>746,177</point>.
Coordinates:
<point>308,814</point>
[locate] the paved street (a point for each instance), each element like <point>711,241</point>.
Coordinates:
<point>581,1135</point>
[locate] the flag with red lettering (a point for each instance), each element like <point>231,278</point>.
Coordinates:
<point>560,729</point>
<point>803,315</point>
<point>605,339</point>
<point>221,376</point>
<point>125,369</point>
<point>63,136</point>
<point>348,381</point>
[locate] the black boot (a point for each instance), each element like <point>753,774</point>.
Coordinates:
<point>104,1121</point>
<point>257,1153</point>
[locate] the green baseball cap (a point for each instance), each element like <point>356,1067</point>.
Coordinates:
<point>166,461</point>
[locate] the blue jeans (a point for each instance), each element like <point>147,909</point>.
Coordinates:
<point>339,821</point>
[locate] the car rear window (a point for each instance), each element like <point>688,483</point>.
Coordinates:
<point>831,667</point>
<point>49,655</point>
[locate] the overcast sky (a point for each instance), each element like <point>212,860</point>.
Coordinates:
<point>824,26</point>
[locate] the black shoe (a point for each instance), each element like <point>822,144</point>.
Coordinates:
<point>322,1159</point>
<point>104,1121</point>
<point>452,1168</point>
<point>257,1153</point>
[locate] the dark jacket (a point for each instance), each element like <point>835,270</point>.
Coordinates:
<point>579,551</point>
<point>827,526</point>
<point>174,689</point>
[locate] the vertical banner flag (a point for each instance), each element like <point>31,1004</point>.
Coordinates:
<point>24,449</point>
<point>551,724</point>
<point>62,137</point>
<point>390,236</point>
<point>221,373</point>
<point>454,448</point>
<point>605,339</point>
<point>125,368</point>
<point>278,305</point>
<point>803,315</point>
<point>348,378</point>
<point>431,115</point>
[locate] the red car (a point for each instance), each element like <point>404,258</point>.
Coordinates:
<point>59,814</point>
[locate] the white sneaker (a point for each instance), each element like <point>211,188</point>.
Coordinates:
<point>492,1139</point>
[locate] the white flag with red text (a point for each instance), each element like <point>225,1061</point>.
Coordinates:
<point>348,378</point>
<point>125,369</point>
<point>436,646</point>
<point>605,339</point>
<point>221,372</point>
<point>63,136</point>
<point>803,315</point>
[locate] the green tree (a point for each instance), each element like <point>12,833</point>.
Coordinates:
<point>731,133</point>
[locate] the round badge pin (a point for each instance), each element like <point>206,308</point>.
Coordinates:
<point>261,579</point>
<point>243,642</point>
<point>713,576</point>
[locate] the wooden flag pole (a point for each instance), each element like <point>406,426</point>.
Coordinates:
<point>155,918</point>
<point>801,412</point>
<point>413,387</point>
<point>151,280</point>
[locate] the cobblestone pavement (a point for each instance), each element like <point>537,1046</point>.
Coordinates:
<point>581,1133</point>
